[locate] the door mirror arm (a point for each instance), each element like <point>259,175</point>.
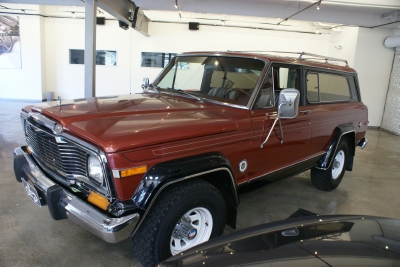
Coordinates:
<point>288,98</point>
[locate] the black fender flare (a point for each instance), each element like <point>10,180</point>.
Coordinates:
<point>212,167</point>
<point>340,131</point>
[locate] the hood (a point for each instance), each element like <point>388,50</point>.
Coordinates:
<point>331,240</point>
<point>137,120</point>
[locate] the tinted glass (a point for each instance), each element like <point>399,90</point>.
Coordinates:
<point>312,87</point>
<point>287,78</point>
<point>333,88</point>
<point>322,87</point>
<point>225,79</point>
<point>265,97</point>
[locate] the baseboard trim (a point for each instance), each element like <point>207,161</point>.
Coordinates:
<point>374,127</point>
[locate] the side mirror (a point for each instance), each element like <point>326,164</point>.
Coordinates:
<point>288,105</point>
<point>145,82</point>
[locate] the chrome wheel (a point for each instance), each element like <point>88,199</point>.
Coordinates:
<point>338,164</point>
<point>193,228</point>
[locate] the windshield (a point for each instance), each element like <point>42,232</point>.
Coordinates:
<point>225,79</point>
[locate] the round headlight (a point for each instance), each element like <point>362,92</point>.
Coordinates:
<point>95,170</point>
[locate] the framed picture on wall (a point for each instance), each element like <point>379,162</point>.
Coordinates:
<point>10,45</point>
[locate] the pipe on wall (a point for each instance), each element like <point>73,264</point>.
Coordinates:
<point>392,42</point>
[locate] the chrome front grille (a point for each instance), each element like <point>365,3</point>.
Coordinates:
<point>63,156</point>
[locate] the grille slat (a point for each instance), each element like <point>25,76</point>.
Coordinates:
<point>64,157</point>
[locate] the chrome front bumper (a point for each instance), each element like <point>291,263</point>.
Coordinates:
<point>109,229</point>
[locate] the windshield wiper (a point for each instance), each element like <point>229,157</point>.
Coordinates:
<point>201,101</point>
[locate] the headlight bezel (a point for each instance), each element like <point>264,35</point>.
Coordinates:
<point>92,158</point>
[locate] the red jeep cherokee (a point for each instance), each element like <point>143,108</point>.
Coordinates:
<point>164,167</point>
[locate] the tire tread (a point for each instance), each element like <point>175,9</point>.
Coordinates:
<point>144,240</point>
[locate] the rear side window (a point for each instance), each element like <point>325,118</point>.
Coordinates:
<point>323,87</point>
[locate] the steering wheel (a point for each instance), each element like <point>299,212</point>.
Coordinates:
<point>236,89</point>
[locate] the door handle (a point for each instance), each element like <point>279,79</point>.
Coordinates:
<point>305,112</point>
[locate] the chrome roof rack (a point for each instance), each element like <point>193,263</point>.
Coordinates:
<point>301,57</point>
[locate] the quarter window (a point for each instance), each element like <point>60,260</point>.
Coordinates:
<point>322,87</point>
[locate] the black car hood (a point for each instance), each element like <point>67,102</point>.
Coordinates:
<point>308,241</point>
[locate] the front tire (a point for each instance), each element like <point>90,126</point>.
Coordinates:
<point>184,215</point>
<point>329,179</point>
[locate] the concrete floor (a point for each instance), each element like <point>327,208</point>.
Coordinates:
<point>29,237</point>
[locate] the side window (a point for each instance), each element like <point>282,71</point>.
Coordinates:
<point>265,97</point>
<point>322,87</point>
<point>288,78</point>
<point>312,87</point>
<point>282,78</point>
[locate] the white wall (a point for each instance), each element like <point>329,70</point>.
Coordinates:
<point>347,39</point>
<point>178,38</point>
<point>25,83</point>
<point>373,63</point>
<point>363,48</point>
<point>67,80</point>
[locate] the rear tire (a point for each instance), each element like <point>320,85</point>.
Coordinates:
<point>329,179</point>
<point>184,215</point>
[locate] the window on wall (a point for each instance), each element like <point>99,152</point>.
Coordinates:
<point>156,59</point>
<point>103,57</point>
<point>322,87</point>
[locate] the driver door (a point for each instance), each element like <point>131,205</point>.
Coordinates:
<point>278,157</point>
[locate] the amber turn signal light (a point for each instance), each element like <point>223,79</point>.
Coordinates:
<point>133,171</point>
<point>98,200</point>
<point>29,150</point>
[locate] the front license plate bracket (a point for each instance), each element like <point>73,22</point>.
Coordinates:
<point>32,193</point>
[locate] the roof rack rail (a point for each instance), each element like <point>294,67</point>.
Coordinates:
<point>319,57</point>
<point>314,56</point>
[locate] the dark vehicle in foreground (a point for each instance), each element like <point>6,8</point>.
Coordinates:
<point>165,167</point>
<point>330,240</point>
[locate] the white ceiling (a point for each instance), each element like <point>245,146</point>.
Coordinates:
<point>366,13</point>
<point>257,13</point>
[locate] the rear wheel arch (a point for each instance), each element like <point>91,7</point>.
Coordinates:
<point>341,132</point>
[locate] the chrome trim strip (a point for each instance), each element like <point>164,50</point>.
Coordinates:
<point>179,180</point>
<point>116,173</point>
<point>46,122</point>
<point>109,229</point>
<point>260,176</point>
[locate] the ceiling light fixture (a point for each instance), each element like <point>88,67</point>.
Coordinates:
<point>318,5</point>
<point>176,3</point>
